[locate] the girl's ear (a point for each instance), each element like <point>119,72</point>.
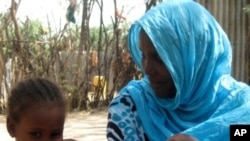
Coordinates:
<point>11,126</point>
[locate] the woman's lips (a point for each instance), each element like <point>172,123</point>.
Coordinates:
<point>157,84</point>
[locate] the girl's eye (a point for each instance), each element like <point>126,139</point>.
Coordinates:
<point>36,134</point>
<point>56,135</point>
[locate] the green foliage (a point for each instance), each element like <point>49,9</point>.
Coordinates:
<point>32,30</point>
<point>41,48</point>
<point>94,36</point>
<point>94,32</point>
<point>246,9</point>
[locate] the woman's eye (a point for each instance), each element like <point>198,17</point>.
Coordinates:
<point>158,58</point>
<point>143,56</point>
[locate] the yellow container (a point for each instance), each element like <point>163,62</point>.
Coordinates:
<point>99,81</point>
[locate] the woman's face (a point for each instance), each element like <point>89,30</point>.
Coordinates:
<point>159,77</point>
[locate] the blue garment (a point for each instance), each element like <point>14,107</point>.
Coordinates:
<point>198,55</point>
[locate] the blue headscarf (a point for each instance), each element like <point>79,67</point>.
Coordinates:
<point>198,55</point>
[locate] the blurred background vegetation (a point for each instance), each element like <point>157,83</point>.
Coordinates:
<point>89,63</point>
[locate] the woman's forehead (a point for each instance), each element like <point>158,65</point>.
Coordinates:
<point>144,38</point>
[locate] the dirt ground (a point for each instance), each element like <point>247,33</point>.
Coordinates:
<point>82,126</point>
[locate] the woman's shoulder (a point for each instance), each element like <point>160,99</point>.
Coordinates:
<point>123,120</point>
<point>123,101</point>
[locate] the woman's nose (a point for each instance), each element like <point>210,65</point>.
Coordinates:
<point>149,67</point>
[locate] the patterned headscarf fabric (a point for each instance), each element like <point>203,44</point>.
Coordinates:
<point>198,55</point>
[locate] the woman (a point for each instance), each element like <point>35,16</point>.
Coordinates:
<point>187,87</point>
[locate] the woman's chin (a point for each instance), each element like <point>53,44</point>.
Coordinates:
<point>164,95</point>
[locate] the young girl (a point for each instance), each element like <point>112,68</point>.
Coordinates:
<point>36,111</point>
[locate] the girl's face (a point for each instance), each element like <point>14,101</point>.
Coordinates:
<point>159,77</point>
<point>43,122</point>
